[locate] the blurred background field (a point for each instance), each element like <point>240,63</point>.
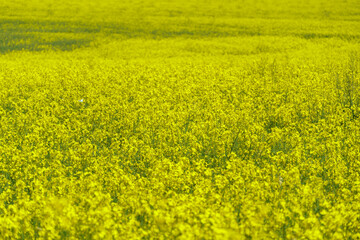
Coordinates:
<point>179,119</point>
<point>66,25</point>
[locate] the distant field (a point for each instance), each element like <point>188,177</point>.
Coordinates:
<point>180,119</point>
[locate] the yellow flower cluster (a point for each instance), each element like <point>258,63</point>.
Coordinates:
<point>234,135</point>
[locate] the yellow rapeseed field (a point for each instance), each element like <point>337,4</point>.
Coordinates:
<point>174,119</point>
